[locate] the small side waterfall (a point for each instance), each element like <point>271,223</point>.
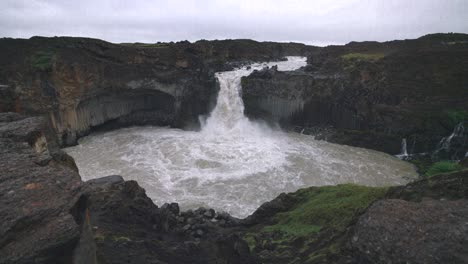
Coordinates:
<point>404,150</point>
<point>452,146</point>
<point>444,143</point>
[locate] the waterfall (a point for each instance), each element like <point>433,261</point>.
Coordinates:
<point>404,150</point>
<point>227,118</point>
<point>444,143</point>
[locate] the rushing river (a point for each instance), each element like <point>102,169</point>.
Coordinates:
<point>232,164</point>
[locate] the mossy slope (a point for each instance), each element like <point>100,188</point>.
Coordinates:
<point>313,228</point>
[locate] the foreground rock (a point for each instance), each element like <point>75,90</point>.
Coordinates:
<point>39,195</point>
<point>398,231</point>
<point>128,228</point>
<point>422,222</point>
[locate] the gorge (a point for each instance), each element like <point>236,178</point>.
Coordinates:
<point>232,164</point>
<point>170,117</point>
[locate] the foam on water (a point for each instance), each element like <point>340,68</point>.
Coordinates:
<point>232,164</point>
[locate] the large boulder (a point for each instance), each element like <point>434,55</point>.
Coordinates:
<point>39,195</point>
<point>397,231</point>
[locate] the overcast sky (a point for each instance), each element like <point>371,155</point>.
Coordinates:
<point>317,22</point>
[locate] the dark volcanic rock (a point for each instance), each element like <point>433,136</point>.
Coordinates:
<point>38,196</point>
<point>397,231</point>
<point>129,228</point>
<point>422,222</point>
<point>375,94</point>
<point>451,186</point>
<point>267,210</point>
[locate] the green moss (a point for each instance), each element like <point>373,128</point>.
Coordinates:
<point>443,167</point>
<point>422,164</point>
<point>121,239</point>
<point>296,232</point>
<point>363,56</point>
<point>455,117</point>
<point>320,256</point>
<point>250,239</point>
<point>99,237</point>
<point>325,207</point>
<point>42,60</point>
<point>293,228</point>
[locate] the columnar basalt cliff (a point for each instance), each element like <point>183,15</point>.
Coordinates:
<point>375,94</point>
<point>85,83</point>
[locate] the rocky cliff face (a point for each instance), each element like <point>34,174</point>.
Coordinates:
<point>375,94</point>
<point>81,84</point>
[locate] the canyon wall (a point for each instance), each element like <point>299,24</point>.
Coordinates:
<point>82,84</point>
<point>371,94</point>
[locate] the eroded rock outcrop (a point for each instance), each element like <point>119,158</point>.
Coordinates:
<point>397,231</point>
<point>422,222</point>
<point>39,190</point>
<point>129,228</point>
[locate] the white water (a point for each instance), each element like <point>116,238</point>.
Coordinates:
<point>404,150</point>
<point>444,143</point>
<point>232,164</point>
